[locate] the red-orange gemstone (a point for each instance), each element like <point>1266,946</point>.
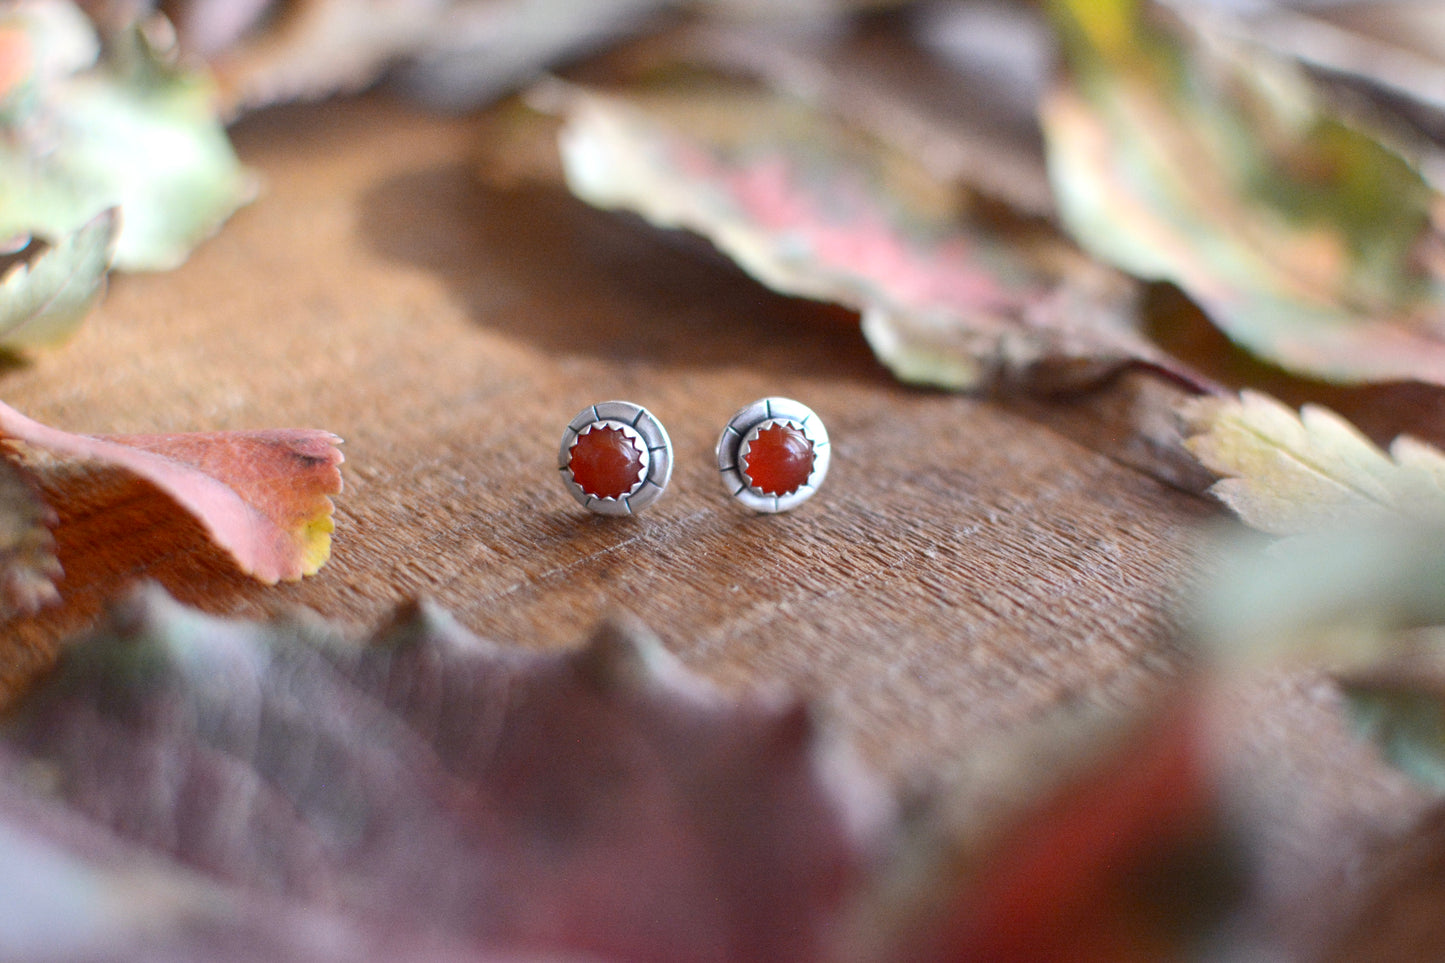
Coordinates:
<point>606,463</point>
<point>779,460</point>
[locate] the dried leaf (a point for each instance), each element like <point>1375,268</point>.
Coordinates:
<point>28,566</point>
<point>128,132</point>
<point>1305,240</point>
<point>1397,47</point>
<point>43,301</point>
<point>812,208</point>
<point>456,54</point>
<point>894,80</point>
<point>1289,474</point>
<point>316,48</point>
<point>1126,862</point>
<point>203,28</point>
<point>209,27</point>
<point>1117,852</point>
<point>423,790</point>
<point>261,495</point>
<point>473,56</point>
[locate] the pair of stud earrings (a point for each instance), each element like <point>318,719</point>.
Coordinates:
<point>616,458</point>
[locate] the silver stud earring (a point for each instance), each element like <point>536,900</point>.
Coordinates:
<point>615,458</point>
<point>773,454</point>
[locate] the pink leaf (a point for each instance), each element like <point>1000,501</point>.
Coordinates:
<point>263,496</point>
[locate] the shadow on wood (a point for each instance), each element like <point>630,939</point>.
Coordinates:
<point>579,281</point>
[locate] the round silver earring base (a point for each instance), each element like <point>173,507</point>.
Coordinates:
<point>657,456</point>
<point>746,424</point>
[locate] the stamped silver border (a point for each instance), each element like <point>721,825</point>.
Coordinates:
<point>633,420</point>
<point>745,425</point>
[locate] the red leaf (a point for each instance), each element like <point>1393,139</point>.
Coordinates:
<point>1062,886</point>
<point>263,496</point>
<point>1123,859</point>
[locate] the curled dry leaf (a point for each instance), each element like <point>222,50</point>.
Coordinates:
<point>263,496</point>
<point>312,49</point>
<point>457,54</point>
<point>1396,47</point>
<point>479,52</point>
<point>1289,474</point>
<point>454,53</point>
<point>28,566</point>
<point>896,79</point>
<point>813,208</point>
<point>1214,167</point>
<point>209,27</point>
<point>128,130</point>
<point>1360,576</point>
<point>425,792</point>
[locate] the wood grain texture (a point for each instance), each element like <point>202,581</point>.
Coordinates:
<point>967,567</point>
<point>962,567</point>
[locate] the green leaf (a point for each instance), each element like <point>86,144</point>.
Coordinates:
<point>1191,159</point>
<point>1403,714</point>
<point>43,301</point>
<point>131,132</point>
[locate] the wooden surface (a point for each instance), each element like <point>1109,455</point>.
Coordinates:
<point>962,567</point>
<point>965,569</point>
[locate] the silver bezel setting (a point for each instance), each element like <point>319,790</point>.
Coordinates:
<point>745,426</point>
<point>638,424</point>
